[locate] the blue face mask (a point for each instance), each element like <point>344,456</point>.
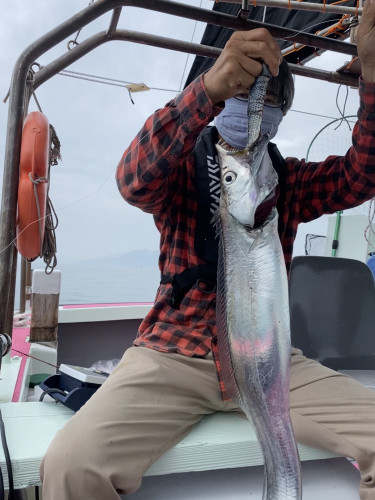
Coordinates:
<point>232,122</point>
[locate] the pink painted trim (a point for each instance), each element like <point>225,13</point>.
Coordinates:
<point>76,306</point>
<point>19,342</point>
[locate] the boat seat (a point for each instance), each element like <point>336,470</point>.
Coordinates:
<point>332,310</point>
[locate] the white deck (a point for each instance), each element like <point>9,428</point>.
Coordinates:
<point>220,441</point>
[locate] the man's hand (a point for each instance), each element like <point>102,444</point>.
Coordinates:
<point>241,62</point>
<point>366,41</point>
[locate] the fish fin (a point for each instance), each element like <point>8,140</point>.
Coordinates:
<point>225,357</point>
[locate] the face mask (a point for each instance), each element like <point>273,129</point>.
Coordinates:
<point>232,122</point>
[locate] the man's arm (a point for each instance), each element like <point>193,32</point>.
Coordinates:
<point>152,161</point>
<point>344,182</point>
<point>156,154</point>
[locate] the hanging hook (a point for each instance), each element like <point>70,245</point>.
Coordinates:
<point>73,43</point>
<point>130,96</point>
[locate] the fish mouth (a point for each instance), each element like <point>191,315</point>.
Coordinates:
<point>270,195</point>
<point>259,228</point>
<point>265,219</point>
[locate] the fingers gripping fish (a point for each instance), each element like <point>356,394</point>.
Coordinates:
<point>252,304</point>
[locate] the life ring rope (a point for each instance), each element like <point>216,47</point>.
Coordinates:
<point>35,183</point>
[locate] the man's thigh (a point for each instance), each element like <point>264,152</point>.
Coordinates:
<point>332,411</point>
<point>147,405</point>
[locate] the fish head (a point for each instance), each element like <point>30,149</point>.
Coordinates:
<point>247,179</point>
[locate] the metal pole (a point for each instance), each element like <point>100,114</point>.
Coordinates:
<point>228,21</point>
<point>335,241</point>
<point>28,282</point>
<point>12,289</point>
<point>328,76</point>
<point>98,39</point>
<point>114,20</point>
<point>23,286</point>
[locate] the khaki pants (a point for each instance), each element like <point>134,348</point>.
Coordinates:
<point>152,400</point>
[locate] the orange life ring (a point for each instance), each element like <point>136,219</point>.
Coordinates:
<point>33,185</point>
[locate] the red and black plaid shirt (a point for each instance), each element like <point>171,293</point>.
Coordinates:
<point>156,174</point>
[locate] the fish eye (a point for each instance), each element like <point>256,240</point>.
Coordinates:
<point>229,177</point>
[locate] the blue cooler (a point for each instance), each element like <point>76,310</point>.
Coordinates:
<point>371,263</point>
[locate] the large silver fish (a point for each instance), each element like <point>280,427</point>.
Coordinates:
<point>252,305</point>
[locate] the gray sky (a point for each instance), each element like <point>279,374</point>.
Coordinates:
<point>96,122</point>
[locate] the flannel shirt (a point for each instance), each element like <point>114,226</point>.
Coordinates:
<point>156,174</point>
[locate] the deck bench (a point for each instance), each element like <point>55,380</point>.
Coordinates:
<point>219,441</point>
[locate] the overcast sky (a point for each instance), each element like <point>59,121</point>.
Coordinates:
<point>96,122</point>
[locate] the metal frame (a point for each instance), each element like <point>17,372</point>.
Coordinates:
<point>19,95</point>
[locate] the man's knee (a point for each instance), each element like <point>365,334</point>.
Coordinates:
<point>80,467</point>
<point>62,457</point>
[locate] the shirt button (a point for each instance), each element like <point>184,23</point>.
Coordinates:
<point>202,115</point>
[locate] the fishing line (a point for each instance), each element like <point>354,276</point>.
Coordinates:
<point>369,231</point>
<point>342,112</point>
<point>316,114</point>
<point>11,493</point>
<point>33,357</point>
<point>187,57</point>
<point>311,26</point>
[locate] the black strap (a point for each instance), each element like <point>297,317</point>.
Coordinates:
<point>181,283</point>
<point>207,184</point>
<point>279,164</point>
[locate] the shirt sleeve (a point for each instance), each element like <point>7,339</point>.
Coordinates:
<point>149,165</point>
<point>339,182</point>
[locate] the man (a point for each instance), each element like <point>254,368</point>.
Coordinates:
<point>172,376</point>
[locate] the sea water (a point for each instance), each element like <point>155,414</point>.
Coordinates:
<point>92,283</point>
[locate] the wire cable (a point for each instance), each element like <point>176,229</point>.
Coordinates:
<point>188,55</point>
<point>105,80</point>
<point>52,390</point>
<point>2,489</point>
<point>7,458</point>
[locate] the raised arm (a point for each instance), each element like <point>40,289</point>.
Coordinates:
<point>152,161</point>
